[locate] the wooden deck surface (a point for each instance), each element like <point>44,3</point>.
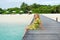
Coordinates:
<point>51,32</point>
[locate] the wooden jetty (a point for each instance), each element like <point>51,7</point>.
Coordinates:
<point>51,32</point>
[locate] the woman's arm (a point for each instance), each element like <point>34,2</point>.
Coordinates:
<point>41,26</point>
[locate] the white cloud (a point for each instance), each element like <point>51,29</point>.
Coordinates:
<point>17,3</point>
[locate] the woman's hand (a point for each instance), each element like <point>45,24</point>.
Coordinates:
<point>41,26</point>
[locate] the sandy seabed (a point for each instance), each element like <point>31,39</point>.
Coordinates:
<point>16,18</point>
<point>24,18</point>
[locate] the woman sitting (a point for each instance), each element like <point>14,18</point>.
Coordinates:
<point>37,24</point>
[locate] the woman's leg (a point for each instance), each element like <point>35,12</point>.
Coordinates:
<point>27,28</point>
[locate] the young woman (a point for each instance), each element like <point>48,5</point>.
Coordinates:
<point>36,24</point>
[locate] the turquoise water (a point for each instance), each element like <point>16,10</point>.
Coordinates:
<point>11,31</point>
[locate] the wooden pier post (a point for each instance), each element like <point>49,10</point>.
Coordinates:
<point>56,19</point>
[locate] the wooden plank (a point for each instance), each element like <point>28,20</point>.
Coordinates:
<point>52,31</point>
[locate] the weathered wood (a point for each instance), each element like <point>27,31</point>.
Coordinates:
<point>51,32</point>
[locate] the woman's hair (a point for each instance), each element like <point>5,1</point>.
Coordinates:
<point>37,15</point>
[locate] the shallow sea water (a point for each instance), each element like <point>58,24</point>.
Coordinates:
<point>12,31</point>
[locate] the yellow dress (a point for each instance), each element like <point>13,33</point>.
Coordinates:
<point>35,24</point>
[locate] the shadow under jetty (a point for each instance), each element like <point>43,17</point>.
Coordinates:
<point>51,32</point>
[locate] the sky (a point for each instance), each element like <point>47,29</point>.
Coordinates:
<point>17,3</point>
